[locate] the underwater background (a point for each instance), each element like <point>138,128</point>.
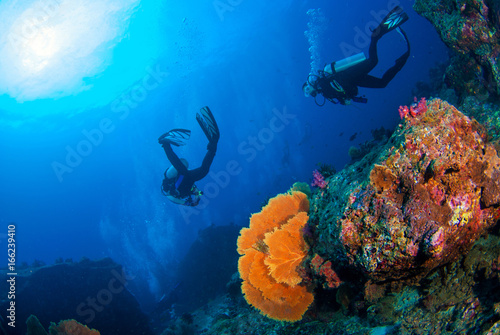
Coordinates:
<point>87,87</point>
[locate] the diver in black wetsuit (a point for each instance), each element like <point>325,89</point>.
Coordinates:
<point>339,81</point>
<point>178,185</point>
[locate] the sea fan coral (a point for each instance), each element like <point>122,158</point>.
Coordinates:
<point>272,250</point>
<point>71,327</point>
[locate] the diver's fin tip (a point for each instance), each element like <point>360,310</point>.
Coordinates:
<point>208,124</point>
<point>393,20</point>
<point>176,137</point>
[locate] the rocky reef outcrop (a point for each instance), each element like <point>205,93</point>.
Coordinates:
<point>419,202</point>
<point>470,28</point>
<point>92,292</point>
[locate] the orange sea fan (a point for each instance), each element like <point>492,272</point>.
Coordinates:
<point>272,249</point>
<point>273,215</point>
<point>275,300</point>
<point>287,249</point>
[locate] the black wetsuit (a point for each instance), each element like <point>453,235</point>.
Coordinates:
<point>343,86</point>
<point>182,185</point>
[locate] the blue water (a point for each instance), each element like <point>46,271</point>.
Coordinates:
<point>81,166</point>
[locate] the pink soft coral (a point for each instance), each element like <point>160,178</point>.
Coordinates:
<point>318,180</point>
<point>415,108</point>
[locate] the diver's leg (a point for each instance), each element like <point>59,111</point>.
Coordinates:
<point>372,56</point>
<point>373,82</point>
<point>173,158</point>
<point>392,21</point>
<point>361,69</point>
<point>202,171</point>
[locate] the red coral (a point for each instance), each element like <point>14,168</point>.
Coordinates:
<point>332,280</point>
<point>316,263</point>
<point>415,108</point>
<point>324,269</point>
<point>403,111</point>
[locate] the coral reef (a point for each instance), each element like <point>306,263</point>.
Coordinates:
<point>355,153</point>
<point>65,327</point>
<point>318,180</point>
<point>94,293</point>
<point>272,250</point>
<point>486,113</point>
<point>324,270</point>
<point>34,327</point>
<point>326,170</point>
<point>380,136</point>
<point>414,109</point>
<point>462,297</point>
<point>71,327</point>
<point>302,187</point>
<point>471,29</point>
<point>418,203</point>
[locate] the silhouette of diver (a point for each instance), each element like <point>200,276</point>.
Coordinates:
<point>339,81</point>
<point>178,183</point>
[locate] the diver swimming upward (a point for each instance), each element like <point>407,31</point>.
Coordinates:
<point>178,183</point>
<point>338,82</point>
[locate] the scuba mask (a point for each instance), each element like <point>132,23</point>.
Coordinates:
<point>309,90</point>
<point>310,86</point>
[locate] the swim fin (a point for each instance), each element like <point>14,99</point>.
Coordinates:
<point>207,122</point>
<point>400,62</point>
<point>394,19</point>
<point>175,137</point>
<point>403,34</point>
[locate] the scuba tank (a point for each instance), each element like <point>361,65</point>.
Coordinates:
<point>345,63</point>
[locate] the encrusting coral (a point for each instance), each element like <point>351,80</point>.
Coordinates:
<point>65,327</point>
<point>418,203</point>
<point>71,327</point>
<point>302,187</point>
<point>272,250</point>
<point>470,29</point>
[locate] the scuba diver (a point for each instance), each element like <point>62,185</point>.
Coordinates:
<point>178,183</point>
<point>338,82</point>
